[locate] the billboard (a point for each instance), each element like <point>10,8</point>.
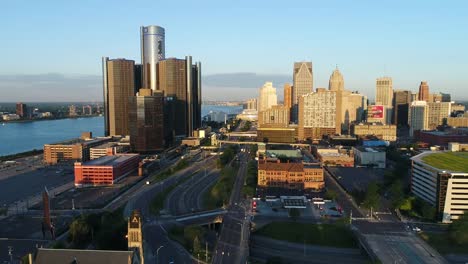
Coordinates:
<point>375,111</point>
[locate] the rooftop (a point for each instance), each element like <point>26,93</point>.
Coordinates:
<point>109,160</point>
<point>52,256</point>
<point>450,161</point>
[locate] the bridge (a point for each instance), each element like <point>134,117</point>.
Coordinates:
<point>242,134</point>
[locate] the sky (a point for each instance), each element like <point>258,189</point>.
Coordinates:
<point>51,50</point>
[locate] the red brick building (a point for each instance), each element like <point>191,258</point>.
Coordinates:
<point>106,170</point>
<point>442,138</point>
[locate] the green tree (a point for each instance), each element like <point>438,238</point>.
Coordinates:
<point>294,213</point>
<point>274,260</point>
<point>458,231</point>
<point>397,195</point>
<point>428,211</point>
<point>331,194</point>
<point>372,197</point>
<point>407,204</point>
<point>79,233</point>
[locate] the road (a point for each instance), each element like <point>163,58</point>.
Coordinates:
<point>154,228</point>
<point>188,197</point>
<point>232,245</point>
<point>263,248</point>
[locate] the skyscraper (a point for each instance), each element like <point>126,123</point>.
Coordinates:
<point>146,121</point>
<point>401,102</point>
<point>418,116</point>
<point>302,84</point>
<point>317,114</point>
<point>21,110</point>
<point>384,91</point>
<point>152,50</point>
<point>275,116</point>
<point>287,95</point>
<point>423,94</point>
<point>180,81</point>
<point>119,85</point>
<point>267,97</point>
<point>437,112</point>
<point>336,82</point>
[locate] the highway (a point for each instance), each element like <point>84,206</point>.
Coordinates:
<point>155,228</point>
<point>232,245</point>
<point>188,196</point>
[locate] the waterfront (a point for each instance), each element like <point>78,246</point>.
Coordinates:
<point>18,137</point>
<point>25,136</point>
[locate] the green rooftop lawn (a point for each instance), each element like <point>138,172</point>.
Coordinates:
<point>451,161</point>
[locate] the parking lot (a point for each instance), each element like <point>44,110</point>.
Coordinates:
<point>357,178</point>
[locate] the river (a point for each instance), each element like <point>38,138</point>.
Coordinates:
<point>25,136</point>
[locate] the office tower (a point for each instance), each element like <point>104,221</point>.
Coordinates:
<point>336,82</point>
<point>317,114</point>
<point>251,104</point>
<point>181,83</point>
<point>152,41</point>
<point>138,73</point>
<point>446,97</point>
<point>275,116</point>
<point>376,114</point>
<point>287,95</point>
<point>146,121</point>
<point>414,97</point>
<point>437,113</point>
<point>384,92</point>
<point>21,110</point>
<point>302,84</point>
<point>118,83</point>
<point>423,94</point>
<point>436,97</point>
<point>72,110</point>
<point>418,116</point>
<point>401,102</point>
<point>267,97</point>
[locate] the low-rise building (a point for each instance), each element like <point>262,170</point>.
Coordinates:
<point>381,131</point>
<point>277,134</point>
<point>458,121</point>
<point>441,179</point>
<point>248,115</point>
<point>335,156</point>
<point>71,150</point>
<point>442,138</point>
<point>290,176</point>
<point>365,156</point>
<point>105,170</point>
<point>107,149</point>
<point>202,132</point>
<point>455,146</point>
<point>191,141</point>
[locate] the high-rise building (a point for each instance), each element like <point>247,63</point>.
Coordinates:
<point>336,82</point>
<point>437,113</point>
<point>302,84</point>
<point>180,81</point>
<point>275,116</point>
<point>317,114</point>
<point>72,110</point>
<point>418,116</point>
<point>401,102</point>
<point>350,107</point>
<point>446,97</point>
<point>138,73</point>
<point>152,50</point>
<point>423,94</point>
<point>251,104</point>
<point>287,95</point>
<point>384,91</point>
<point>436,97</point>
<point>267,97</point>
<point>146,121</point>
<point>21,110</point>
<point>118,83</point>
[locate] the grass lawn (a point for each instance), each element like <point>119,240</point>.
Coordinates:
<point>442,243</point>
<point>452,161</point>
<point>331,235</point>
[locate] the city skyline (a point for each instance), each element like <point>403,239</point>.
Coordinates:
<point>234,51</point>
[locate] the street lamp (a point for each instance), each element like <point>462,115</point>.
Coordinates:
<point>157,253</point>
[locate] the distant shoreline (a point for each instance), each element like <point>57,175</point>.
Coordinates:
<point>47,119</point>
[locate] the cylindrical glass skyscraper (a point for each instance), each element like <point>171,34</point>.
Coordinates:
<point>152,51</point>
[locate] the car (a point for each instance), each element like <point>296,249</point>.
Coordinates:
<point>416,229</point>
<point>147,182</point>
